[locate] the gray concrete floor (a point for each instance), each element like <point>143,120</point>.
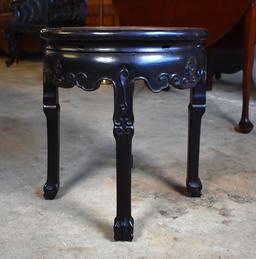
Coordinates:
<point>78,224</point>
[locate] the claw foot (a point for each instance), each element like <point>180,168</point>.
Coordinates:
<point>123,229</point>
<point>50,191</point>
<point>194,188</point>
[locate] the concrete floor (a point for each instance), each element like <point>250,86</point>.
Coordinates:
<point>78,224</point>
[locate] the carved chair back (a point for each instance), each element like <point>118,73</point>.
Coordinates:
<point>48,13</point>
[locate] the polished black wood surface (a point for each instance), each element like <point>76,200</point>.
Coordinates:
<point>162,57</point>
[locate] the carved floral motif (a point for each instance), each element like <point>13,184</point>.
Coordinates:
<point>123,118</point>
<point>66,80</point>
<point>188,79</point>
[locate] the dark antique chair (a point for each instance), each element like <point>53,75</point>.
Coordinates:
<point>30,16</point>
<point>231,26</point>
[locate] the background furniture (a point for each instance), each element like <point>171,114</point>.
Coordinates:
<point>234,52</point>
<point>30,16</point>
<point>231,26</point>
<point>159,57</point>
<point>5,17</point>
<point>109,17</point>
<point>27,44</point>
<point>31,43</point>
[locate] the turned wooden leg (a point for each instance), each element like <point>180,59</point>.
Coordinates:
<point>51,110</point>
<point>245,126</point>
<point>12,39</point>
<point>196,111</point>
<point>123,133</point>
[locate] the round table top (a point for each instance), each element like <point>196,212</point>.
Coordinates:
<point>137,34</point>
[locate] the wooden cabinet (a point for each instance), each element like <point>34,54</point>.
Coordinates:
<point>5,17</point>
<point>109,18</point>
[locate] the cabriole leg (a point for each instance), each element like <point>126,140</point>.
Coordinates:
<point>196,111</point>
<point>51,110</point>
<point>123,133</point>
<point>245,125</point>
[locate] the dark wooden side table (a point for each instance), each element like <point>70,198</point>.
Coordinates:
<point>162,57</point>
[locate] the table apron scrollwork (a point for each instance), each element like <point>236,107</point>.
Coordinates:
<point>166,69</point>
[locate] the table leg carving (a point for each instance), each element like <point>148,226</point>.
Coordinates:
<point>52,110</point>
<point>83,57</point>
<point>196,111</point>
<point>123,133</point>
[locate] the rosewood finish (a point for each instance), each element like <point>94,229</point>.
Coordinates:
<point>218,16</point>
<point>231,40</point>
<point>162,57</point>
<point>101,15</point>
